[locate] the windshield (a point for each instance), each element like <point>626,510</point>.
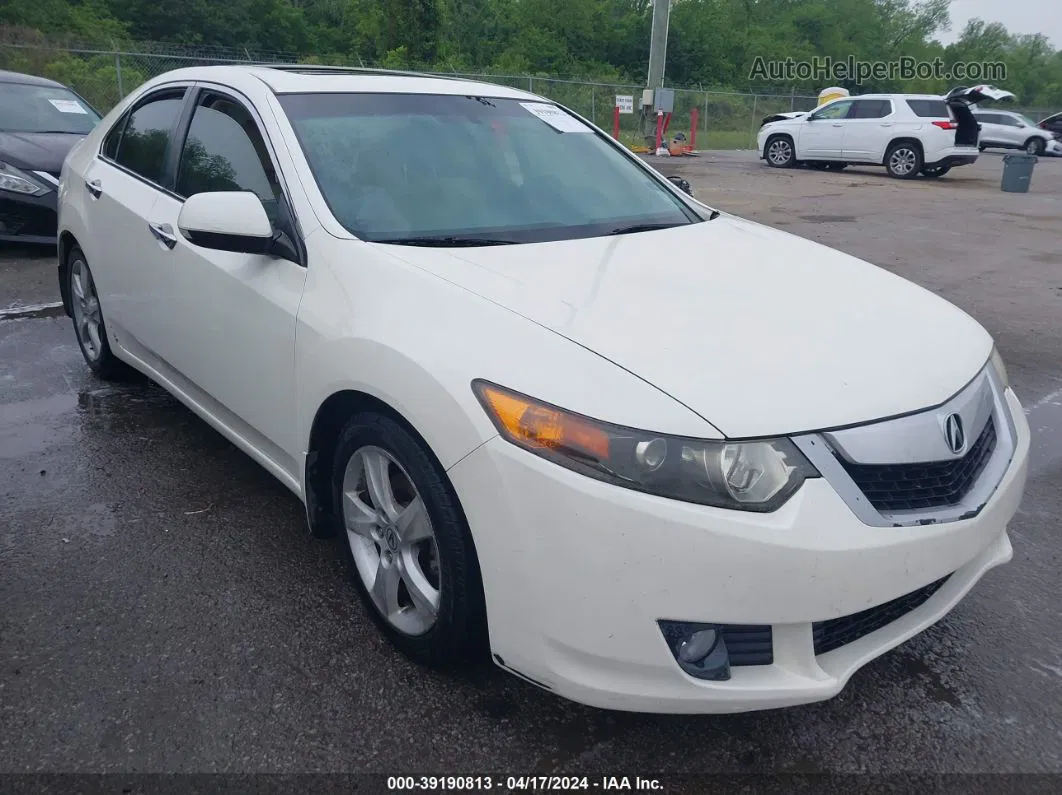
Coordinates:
<point>27,108</point>
<point>1025,120</point>
<point>456,169</point>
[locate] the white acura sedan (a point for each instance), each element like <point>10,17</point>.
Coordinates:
<point>657,457</point>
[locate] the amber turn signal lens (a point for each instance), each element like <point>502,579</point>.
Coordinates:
<point>532,424</point>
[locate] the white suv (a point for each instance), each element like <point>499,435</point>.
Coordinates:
<point>909,134</point>
<point>461,325</point>
<point>1007,130</point>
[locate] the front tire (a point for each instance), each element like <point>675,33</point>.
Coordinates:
<point>903,160</point>
<point>779,152</point>
<point>89,326</point>
<point>1035,146</point>
<point>406,542</point>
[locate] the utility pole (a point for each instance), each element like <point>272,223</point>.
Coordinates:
<point>658,43</point>
<point>657,58</point>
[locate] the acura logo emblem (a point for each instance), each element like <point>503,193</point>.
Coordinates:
<point>954,434</point>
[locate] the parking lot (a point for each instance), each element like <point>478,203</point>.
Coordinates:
<point>162,607</point>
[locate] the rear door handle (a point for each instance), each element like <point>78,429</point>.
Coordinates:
<point>164,234</point>
<point>838,125</point>
<point>886,124</point>
<point>95,188</point>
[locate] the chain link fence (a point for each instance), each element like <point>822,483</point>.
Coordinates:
<point>105,74</point>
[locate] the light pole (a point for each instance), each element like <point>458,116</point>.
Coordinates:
<point>657,59</point>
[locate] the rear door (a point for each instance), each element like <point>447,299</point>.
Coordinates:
<point>869,127</point>
<point>821,136</point>
<point>232,314</point>
<point>124,183</point>
<point>993,133</point>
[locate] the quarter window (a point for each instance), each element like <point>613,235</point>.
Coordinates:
<point>142,143</point>
<point>225,151</point>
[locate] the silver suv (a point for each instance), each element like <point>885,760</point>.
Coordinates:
<point>1009,130</point>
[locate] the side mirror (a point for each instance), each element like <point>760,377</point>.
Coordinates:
<point>681,184</point>
<point>226,221</point>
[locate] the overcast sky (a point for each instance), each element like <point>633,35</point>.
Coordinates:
<point>1020,16</point>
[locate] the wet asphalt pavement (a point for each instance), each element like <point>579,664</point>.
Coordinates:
<point>163,609</point>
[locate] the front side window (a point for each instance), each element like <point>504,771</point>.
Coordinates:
<point>26,108</point>
<point>838,110</point>
<point>394,167</point>
<point>225,151</point>
<point>141,146</point>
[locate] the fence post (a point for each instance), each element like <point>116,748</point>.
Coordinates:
<point>593,103</point>
<point>706,113</point>
<point>752,127</point>
<point>530,85</point>
<point>118,72</point>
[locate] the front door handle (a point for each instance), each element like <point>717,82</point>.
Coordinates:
<point>95,188</point>
<point>164,234</point>
<point>886,124</point>
<point>838,125</point>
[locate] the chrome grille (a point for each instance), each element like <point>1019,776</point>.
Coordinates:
<point>911,487</point>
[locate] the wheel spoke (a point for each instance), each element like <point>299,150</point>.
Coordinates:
<point>385,589</point>
<point>359,518</point>
<point>413,523</point>
<point>79,288</point>
<point>425,597</point>
<point>378,481</point>
<point>94,336</point>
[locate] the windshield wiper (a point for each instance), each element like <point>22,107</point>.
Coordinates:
<point>626,230</point>
<point>446,241</point>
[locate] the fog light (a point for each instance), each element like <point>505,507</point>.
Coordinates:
<point>699,649</point>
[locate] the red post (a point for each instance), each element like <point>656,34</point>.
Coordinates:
<point>659,129</point>
<point>693,129</point>
<point>667,122</point>
<point>615,122</point>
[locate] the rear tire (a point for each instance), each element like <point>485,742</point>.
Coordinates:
<point>1035,146</point>
<point>779,152</point>
<point>935,172</point>
<point>418,576</point>
<point>89,326</point>
<point>903,160</point>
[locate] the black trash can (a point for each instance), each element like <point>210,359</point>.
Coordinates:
<point>1017,173</point>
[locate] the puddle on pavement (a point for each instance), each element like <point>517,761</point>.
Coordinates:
<point>829,219</point>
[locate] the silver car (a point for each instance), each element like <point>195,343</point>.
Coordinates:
<point>1009,130</point>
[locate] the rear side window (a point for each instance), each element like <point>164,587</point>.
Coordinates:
<point>929,108</point>
<point>225,151</point>
<point>141,147</point>
<point>870,109</point>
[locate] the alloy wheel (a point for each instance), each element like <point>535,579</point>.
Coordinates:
<point>780,152</point>
<point>903,161</point>
<point>392,540</point>
<point>88,320</point>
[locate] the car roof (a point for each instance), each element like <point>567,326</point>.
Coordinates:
<point>295,79</point>
<point>30,80</point>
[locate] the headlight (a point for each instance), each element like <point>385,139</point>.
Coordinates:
<point>16,181</point>
<point>747,476</point>
<point>1000,368</point>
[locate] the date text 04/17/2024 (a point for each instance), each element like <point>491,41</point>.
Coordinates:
<point>521,783</point>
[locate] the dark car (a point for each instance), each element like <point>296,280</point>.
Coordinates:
<point>40,121</point>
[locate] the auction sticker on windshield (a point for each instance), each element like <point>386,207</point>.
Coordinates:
<point>67,106</point>
<point>555,117</point>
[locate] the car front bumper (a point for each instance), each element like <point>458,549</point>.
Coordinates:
<point>28,219</point>
<point>577,573</point>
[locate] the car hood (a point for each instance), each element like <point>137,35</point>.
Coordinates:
<point>37,151</point>
<point>758,331</point>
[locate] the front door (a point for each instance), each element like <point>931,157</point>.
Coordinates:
<point>233,314</point>
<point>821,135</point>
